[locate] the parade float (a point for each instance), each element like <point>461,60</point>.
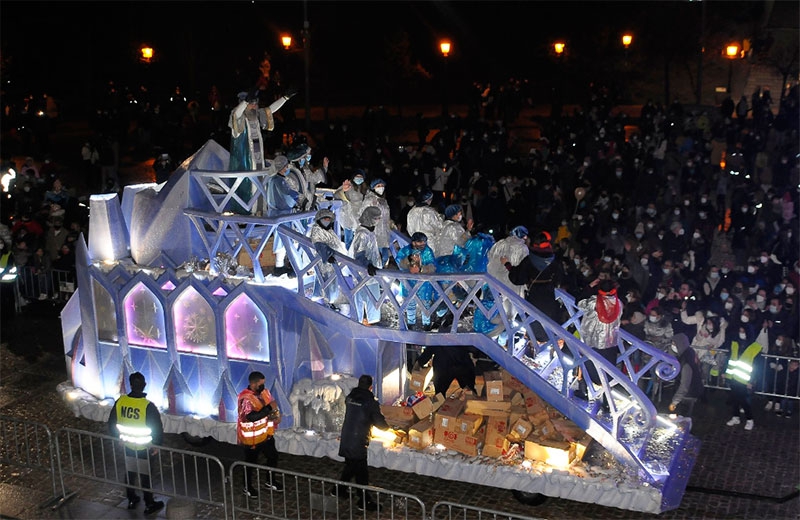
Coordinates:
<point>174,284</point>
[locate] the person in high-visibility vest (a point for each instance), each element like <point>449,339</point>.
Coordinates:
<point>137,423</point>
<point>255,430</point>
<point>740,375</point>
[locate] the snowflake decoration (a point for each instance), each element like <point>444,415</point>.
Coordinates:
<point>195,328</point>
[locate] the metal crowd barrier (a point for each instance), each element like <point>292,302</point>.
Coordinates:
<point>195,477</point>
<point>444,510</point>
<point>54,284</point>
<point>306,497</point>
<point>30,445</point>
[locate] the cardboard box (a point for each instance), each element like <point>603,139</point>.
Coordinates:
<point>420,379</point>
<point>512,383</point>
<point>401,417</point>
<point>494,385</point>
<point>520,430</point>
<point>420,436</point>
<point>495,445</point>
<point>539,418</point>
<point>533,403</point>
<point>266,259</point>
<point>453,389</point>
<point>568,429</point>
<point>468,423</point>
<point>495,442</point>
<point>424,408</point>
<point>517,399</point>
<point>556,453</point>
<point>493,408</point>
<point>470,444</point>
<point>517,412</point>
<point>447,414</point>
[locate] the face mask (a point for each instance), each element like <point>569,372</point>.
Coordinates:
<point>458,218</point>
<point>615,216</point>
<point>703,200</point>
<point>744,210</point>
<point>666,271</point>
<point>379,190</point>
<point>585,273</point>
<point>773,309</point>
<point>26,189</point>
<point>674,349</point>
<point>661,236</point>
<point>358,181</point>
<point>751,269</point>
<point>728,306</point>
<point>260,389</point>
<point>764,259</point>
<point>660,295</point>
<point>702,215</point>
<point>638,236</point>
<point>696,236</point>
<point>676,212</point>
<point>681,232</point>
<point>618,174</point>
<point>653,319</point>
<point>725,270</point>
<point>323,225</point>
<point>790,290</point>
<point>714,274</point>
<point>606,259</point>
<point>742,335</point>
<point>643,261</point>
<point>302,162</point>
<point>778,343</point>
<point>651,212</point>
<point>745,319</point>
<point>686,263</point>
<point>577,261</point>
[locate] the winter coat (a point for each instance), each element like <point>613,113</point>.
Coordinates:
<point>691,382</point>
<point>362,412</point>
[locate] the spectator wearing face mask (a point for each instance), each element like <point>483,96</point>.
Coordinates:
<point>351,193</point>
<point>708,339</point>
<point>690,386</point>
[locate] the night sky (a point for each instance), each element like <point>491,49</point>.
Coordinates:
<point>72,49</point>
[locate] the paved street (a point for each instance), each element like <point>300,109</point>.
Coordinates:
<point>738,475</point>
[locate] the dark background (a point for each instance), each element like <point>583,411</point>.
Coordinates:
<point>366,52</point>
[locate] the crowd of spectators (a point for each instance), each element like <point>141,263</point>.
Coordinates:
<point>692,211</point>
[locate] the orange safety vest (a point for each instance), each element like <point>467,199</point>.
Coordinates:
<point>254,433</point>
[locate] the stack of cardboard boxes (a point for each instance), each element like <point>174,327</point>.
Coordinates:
<point>503,411</point>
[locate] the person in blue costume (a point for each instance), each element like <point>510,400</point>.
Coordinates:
<point>246,121</point>
<point>417,258</point>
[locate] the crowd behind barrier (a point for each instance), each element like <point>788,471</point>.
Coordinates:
<point>196,480</point>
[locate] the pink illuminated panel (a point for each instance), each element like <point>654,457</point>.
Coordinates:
<point>168,286</point>
<point>246,334</point>
<point>195,324</point>
<point>219,291</point>
<point>144,318</point>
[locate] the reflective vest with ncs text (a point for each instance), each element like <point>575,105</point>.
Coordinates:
<point>132,422</point>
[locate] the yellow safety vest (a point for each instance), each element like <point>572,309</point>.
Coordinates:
<point>740,367</point>
<point>132,422</point>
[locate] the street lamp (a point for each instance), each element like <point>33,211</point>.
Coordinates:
<point>286,40</point>
<point>146,53</point>
<point>731,53</point>
<point>445,46</point>
<point>559,48</point>
<point>627,38</point>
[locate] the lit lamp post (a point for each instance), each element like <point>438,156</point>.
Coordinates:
<point>146,54</point>
<point>732,53</point>
<point>286,41</point>
<point>444,47</point>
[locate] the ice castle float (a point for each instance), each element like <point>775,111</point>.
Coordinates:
<point>160,292</point>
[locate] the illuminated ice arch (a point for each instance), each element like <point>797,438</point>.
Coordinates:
<point>246,331</point>
<point>144,318</point>
<point>195,323</point>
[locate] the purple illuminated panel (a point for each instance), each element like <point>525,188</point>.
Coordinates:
<point>144,318</point>
<point>246,334</point>
<point>195,325</point>
<point>219,291</point>
<point>168,286</point>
